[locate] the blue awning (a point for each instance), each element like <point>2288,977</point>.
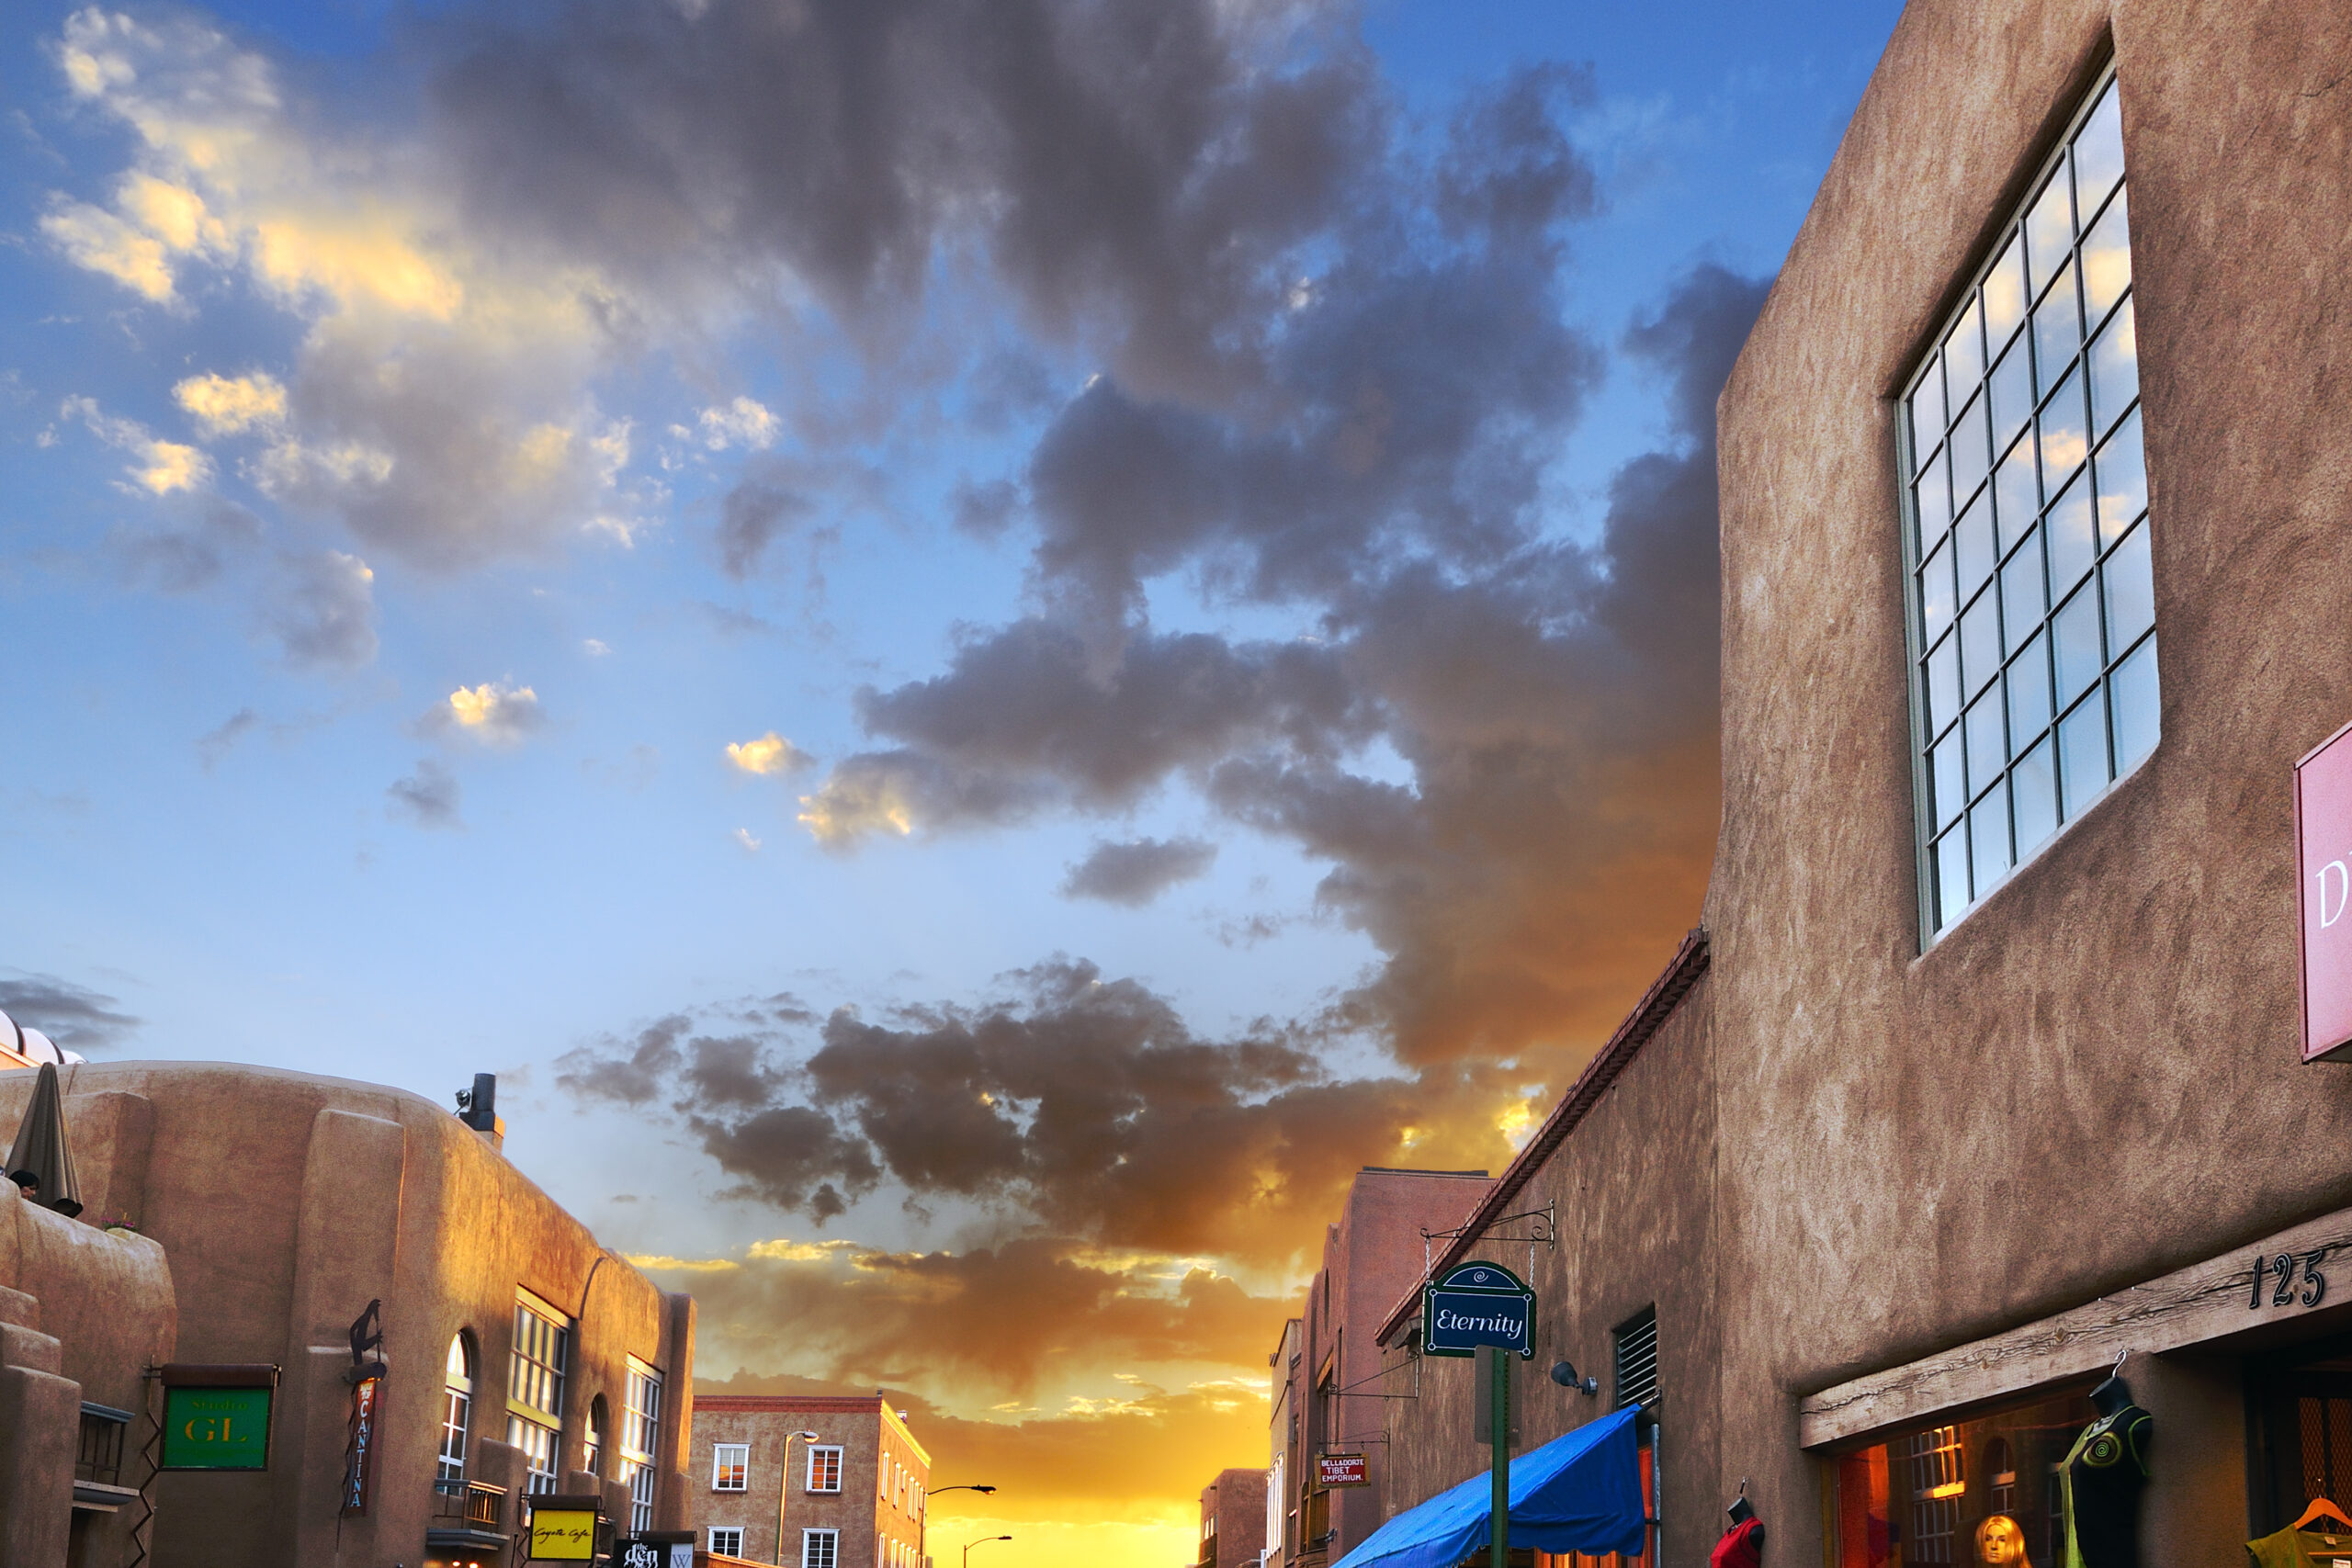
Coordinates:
<point>1578,1492</point>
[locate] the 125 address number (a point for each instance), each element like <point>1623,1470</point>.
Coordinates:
<point>2282,1270</point>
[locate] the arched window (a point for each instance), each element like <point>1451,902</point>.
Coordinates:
<point>456,1407</point>
<point>592,1458</point>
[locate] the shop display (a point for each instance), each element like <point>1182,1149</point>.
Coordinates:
<point>1985,1492</point>
<point>2103,1475</point>
<point>2313,1541</point>
<point>1743,1544</point>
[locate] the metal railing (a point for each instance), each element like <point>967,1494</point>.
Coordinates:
<point>98,1455</point>
<point>476,1503</point>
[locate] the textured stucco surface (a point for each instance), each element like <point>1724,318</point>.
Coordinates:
<point>2094,1077</point>
<point>1632,1185</point>
<point>283,1203</point>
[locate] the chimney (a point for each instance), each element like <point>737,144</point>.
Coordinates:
<point>478,1108</point>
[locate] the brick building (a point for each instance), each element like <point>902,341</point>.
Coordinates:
<point>855,1495</point>
<point>1233,1519</point>
<point>1372,1254</point>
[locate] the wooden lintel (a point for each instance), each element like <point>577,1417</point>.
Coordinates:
<point>2203,1301</point>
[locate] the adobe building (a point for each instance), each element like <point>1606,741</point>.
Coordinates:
<point>858,1493</point>
<point>1233,1519</point>
<point>237,1222</point>
<point>1284,1434</point>
<point>1331,1405</point>
<point>2036,479</point>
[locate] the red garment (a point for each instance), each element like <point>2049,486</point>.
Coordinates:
<point>1739,1548</point>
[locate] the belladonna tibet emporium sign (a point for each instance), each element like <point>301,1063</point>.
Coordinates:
<point>2323,895</point>
<point>1474,1305</point>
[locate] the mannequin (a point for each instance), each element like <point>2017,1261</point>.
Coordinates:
<point>2104,1474</point>
<point>1743,1544</point>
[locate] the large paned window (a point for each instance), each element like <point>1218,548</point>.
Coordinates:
<point>640,1431</point>
<point>824,1469</point>
<point>1961,1493</point>
<point>726,1540</point>
<point>820,1549</point>
<point>535,1387</point>
<point>2033,600</point>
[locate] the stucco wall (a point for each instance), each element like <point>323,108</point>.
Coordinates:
<point>285,1202</point>
<point>1633,1185</point>
<point>2094,1076</point>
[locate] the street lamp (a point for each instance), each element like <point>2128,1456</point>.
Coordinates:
<point>783,1484</point>
<point>982,1542</point>
<point>922,1526</point>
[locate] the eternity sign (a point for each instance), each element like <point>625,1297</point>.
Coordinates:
<point>1474,1305</point>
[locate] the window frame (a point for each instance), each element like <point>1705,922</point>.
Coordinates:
<point>720,1454</point>
<point>731,1549</point>
<point>808,1539</point>
<point>2014,215</point>
<point>640,1435</point>
<point>808,1476</point>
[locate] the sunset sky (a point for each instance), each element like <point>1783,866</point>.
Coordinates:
<point>979,644</point>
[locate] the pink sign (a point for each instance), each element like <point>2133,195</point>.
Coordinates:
<point>2324,893</point>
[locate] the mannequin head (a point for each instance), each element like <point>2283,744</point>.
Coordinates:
<point>2000,1542</point>
<point>2111,1395</point>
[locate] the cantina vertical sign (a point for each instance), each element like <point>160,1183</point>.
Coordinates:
<point>2324,894</point>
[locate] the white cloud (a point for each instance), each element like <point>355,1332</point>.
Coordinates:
<point>595,648</point>
<point>438,402</point>
<point>493,712</point>
<point>742,422</point>
<point>751,845</point>
<point>157,467</point>
<point>770,753</point>
<point>227,405</point>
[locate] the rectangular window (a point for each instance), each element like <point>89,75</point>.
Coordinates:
<point>1985,1490</point>
<point>820,1549</point>
<point>726,1540</point>
<point>457,1406</point>
<point>824,1469</point>
<point>2032,601</point>
<point>1633,1361</point>
<point>539,1445</point>
<point>640,1432</point>
<point>731,1467</point>
<point>536,1369</point>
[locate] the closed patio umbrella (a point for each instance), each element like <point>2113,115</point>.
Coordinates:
<point>40,1157</point>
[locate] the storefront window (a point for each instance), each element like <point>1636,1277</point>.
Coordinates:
<point>1984,1492</point>
<point>2303,1402</point>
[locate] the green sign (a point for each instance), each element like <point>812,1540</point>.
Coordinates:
<point>216,1428</point>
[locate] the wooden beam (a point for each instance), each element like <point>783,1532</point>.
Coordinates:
<point>2203,1301</point>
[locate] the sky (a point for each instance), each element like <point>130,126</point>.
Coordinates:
<point>978,645</point>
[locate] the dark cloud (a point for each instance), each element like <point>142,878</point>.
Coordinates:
<point>1134,172</point>
<point>217,743</point>
<point>1137,872</point>
<point>183,559</point>
<point>1081,1105</point>
<point>322,611</point>
<point>427,798</point>
<point>985,511</point>
<point>1554,702</point>
<point>73,1016</point>
<point>751,516</point>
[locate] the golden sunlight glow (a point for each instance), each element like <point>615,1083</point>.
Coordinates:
<point>168,465</point>
<point>682,1265</point>
<point>1516,1124</point>
<point>227,405</point>
<point>492,706</point>
<point>99,242</point>
<point>770,753</point>
<point>786,1250</point>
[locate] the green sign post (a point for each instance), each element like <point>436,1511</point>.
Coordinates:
<point>1495,1360</point>
<point>216,1428</point>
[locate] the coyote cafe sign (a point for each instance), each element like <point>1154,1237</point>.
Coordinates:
<point>1474,1305</point>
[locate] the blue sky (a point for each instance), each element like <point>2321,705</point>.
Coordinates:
<point>350,393</point>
